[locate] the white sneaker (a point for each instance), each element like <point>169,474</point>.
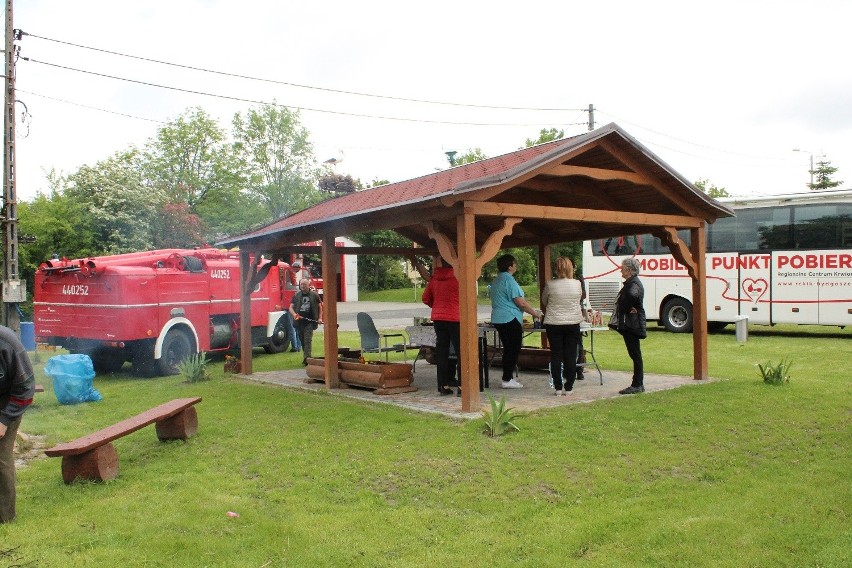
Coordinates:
<point>565,392</point>
<point>559,392</point>
<point>512,384</point>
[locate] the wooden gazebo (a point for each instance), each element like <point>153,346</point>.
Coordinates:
<point>595,185</point>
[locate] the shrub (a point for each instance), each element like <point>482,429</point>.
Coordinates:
<point>194,368</point>
<point>776,374</point>
<point>501,419</point>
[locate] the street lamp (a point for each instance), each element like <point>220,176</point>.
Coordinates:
<point>811,186</point>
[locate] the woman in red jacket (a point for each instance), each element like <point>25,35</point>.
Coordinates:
<point>442,295</point>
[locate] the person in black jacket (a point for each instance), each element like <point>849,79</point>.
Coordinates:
<point>17,387</point>
<point>630,301</point>
<point>306,309</point>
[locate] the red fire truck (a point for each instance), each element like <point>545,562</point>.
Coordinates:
<point>155,308</point>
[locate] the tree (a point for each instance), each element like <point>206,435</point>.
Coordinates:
<point>177,227</point>
<point>470,156</point>
<point>120,209</point>
<point>546,135</point>
<point>189,159</point>
<point>381,272</point>
<point>60,225</point>
<point>823,173</point>
<point>711,190</point>
<point>279,154</point>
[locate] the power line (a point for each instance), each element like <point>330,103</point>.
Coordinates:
<point>688,142</point>
<point>88,107</point>
<point>290,84</point>
<point>259,102</point>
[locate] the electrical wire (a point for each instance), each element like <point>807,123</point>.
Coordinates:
<point>290,84</point>
<point>688,142</point>
<point>259,102</point>
<point>87,106</point>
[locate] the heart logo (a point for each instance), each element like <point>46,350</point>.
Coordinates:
<point>755,289</point>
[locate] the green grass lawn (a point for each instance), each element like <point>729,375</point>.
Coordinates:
<point>734,473</point>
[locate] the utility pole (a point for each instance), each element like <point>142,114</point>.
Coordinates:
<point>591,117</point>
<point>14,290</point>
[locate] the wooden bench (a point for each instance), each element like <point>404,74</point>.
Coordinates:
<point>93,457</point>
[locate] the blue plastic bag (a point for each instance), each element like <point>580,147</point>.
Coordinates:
<point>72,378</point>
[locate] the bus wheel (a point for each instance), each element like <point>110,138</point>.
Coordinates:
<point>177,347</point>
<point>280,339</point>
<point>677,316</point>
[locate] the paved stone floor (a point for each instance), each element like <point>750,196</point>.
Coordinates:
<point>536,394</point>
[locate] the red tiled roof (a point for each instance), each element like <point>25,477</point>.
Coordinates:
<point>410,191</point>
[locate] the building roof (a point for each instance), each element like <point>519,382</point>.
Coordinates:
<point>605,173</point>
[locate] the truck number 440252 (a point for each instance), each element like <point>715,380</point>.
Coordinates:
<point>75,290</point>
<point>222,274</point>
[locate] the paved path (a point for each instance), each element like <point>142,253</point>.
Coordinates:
<point>536,394</point>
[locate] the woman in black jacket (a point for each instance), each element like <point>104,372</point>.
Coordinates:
<point>629,306</point>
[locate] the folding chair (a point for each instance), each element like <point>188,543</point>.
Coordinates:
<point>370,338</point>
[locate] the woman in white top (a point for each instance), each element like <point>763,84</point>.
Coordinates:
<point>561,302</point>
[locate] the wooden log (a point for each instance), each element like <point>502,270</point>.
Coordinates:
<point>178,427</point>
<point>99,464</point>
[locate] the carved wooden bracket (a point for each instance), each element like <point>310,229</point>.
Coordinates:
<point>680,251</point>
<point>445,245</point>
<point>493,243</point>
<point>256,276</point>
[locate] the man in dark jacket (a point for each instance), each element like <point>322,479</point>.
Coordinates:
<point>17,386</point>
<point>306,309</point>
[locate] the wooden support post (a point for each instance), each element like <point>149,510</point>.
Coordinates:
<point>245,312</point>
<point>329,288</point>
<point>467,277</point>
<point>699,304</point>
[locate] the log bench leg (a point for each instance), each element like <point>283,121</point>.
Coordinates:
<point>180,426</point>
<point>99,464</point>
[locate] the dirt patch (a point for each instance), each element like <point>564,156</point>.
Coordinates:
<point>27,449</point>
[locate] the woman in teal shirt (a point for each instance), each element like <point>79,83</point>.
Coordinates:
<point>507,314</point>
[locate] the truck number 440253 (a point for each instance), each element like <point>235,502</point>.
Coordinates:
<point>222,274</point>
<point>75,290</point>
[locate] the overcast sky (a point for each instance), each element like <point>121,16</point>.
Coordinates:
<point>719,90</point>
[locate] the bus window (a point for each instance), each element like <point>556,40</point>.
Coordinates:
<point>821,226</point>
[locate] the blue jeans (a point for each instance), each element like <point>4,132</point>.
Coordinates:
<point>295,342</point>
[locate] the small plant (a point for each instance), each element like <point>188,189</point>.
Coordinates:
<point>194,368</point>
<point>501,419</point>
<point>776,374</point>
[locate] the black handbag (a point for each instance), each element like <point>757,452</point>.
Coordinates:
<point>614,324</point>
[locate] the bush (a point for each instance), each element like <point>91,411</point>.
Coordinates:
<point>776,374</point>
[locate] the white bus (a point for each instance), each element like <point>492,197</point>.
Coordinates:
<point>782,259</point>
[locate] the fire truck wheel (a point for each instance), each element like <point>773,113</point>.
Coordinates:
<point>677,315</point>
<point>280,339</point>
<point>177,346</point>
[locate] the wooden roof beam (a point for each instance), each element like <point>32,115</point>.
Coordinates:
<point>672,195</point>
<point>599,174</point>
<point>586,215</point>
